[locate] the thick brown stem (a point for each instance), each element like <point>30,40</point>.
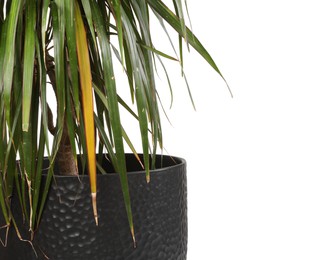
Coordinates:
<point>65,160</point>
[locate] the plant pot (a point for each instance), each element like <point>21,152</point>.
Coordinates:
<point>68,231</point>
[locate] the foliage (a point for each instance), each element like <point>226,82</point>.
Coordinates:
<point>70,45</point>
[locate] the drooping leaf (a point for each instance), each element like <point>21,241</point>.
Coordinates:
<point>173,20</point>
<point>9,56</point>
<point>73,60</point>
<point>28,68</point>
<point>140,80</point>
<point>58,16</point>
<point>45,8</point>
<point>160,53</point>
<point>117,11</point>
<point>87,101</point>
<point>88,14</point>
<point>114,113</point>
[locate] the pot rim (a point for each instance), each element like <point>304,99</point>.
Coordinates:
<point>177,162</point>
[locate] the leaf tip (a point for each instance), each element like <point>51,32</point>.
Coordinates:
<point>94,204</point>
<point>133,237</point>
<point>148,179</point>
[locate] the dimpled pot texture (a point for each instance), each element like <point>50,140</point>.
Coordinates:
<point>68,231</point>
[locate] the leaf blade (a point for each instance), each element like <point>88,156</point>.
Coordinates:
<point>114,113</point>
<point>87,102</point>
<point>173,20</point>
<point>28,68</point>
<point>9,56</point>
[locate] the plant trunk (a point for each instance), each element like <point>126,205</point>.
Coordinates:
<point>65,160</point>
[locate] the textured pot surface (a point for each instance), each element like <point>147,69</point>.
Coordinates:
<point>68,230</point>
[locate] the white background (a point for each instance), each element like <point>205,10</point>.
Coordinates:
<point>251,170</point>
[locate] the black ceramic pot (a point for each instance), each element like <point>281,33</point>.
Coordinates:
<point>68,231</point>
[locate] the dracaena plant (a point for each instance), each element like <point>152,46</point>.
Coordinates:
<point>70,47</point>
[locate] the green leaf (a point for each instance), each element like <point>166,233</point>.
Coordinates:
<point>132,148</point>
<point>159,52</point>
<point>117,10</point>
<point>28,68</point>
<point>142,80</point>
<point>43,93</point>
<point>58,16</point>
<point>175,22</point>
<point>114,111</point>
<point>72,52</point>
<point>168,81</point>
<point>44,17</point>
<point>89,17</point>
<point>3,205</point>
<point>9,56</point>
<point>2,51</point>
<point>36,187</point>
<point>45,190</point>
<point>179,11</point>
<point>105,140</point>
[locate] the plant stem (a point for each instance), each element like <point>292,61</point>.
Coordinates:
<point>65,160</point>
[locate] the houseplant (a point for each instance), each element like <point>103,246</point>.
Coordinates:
<point>69,47</point>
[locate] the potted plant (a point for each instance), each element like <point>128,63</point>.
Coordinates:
<point>53,203</point>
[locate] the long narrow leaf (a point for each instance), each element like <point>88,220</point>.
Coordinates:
<point>87,102</point>
<point>88,14</point>
<point>179,10</point>
<point>38,178</point>
<point>160,53</point>
<point>117,11</point>
<point>29,54</point>
<point>45,7</point>
<point>9,56</point>
<point>174,21</point>
<point>2,50</point>
<point>58,16</point>
<point>141,80</point>
<point>73,60</point>
<point>114,113</point>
